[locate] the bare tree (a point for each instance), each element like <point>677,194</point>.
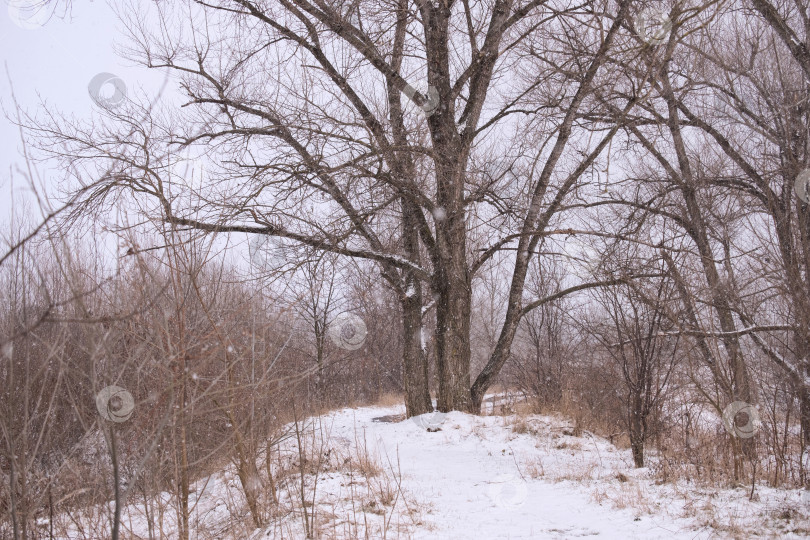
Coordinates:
<point>643,343</point>
<point>401,182</point>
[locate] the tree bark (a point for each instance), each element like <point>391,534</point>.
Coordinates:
<point>638,431</point>
<point>804,411</point>
<point>414,357</point>
<point>415,366</point>
<point>453,327</point>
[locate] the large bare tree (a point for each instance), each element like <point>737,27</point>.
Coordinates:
<point>298,110</point>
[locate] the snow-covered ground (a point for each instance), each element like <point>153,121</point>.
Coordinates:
<point>459,476</point>
<point>480,478</point>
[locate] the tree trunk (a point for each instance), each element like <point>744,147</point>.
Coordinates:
<point>503,347</point>
<point>494,365</point>
<point>319,378</point>
<point>453,326</point>
<point>638,431</point>
<point>415,366</point>
<point>414,359</point>
<point>183,480</point>
<point>804,410</point>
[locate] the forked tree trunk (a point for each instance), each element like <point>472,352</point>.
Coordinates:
<point>451,281</point>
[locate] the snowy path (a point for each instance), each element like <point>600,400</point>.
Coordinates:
<point>472,474</point>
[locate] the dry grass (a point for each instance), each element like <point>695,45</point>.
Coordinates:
<point>579,473</point>
<point>390,399</point>
<point>371,503</point>
<point>569,445</point>
<point>507,403</point>
<point>624,494</point>
<point>521,426</point>
<point>362,462</point>
<point>535,469</point>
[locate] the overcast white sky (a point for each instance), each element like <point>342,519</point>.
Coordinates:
<point>54,64</point>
